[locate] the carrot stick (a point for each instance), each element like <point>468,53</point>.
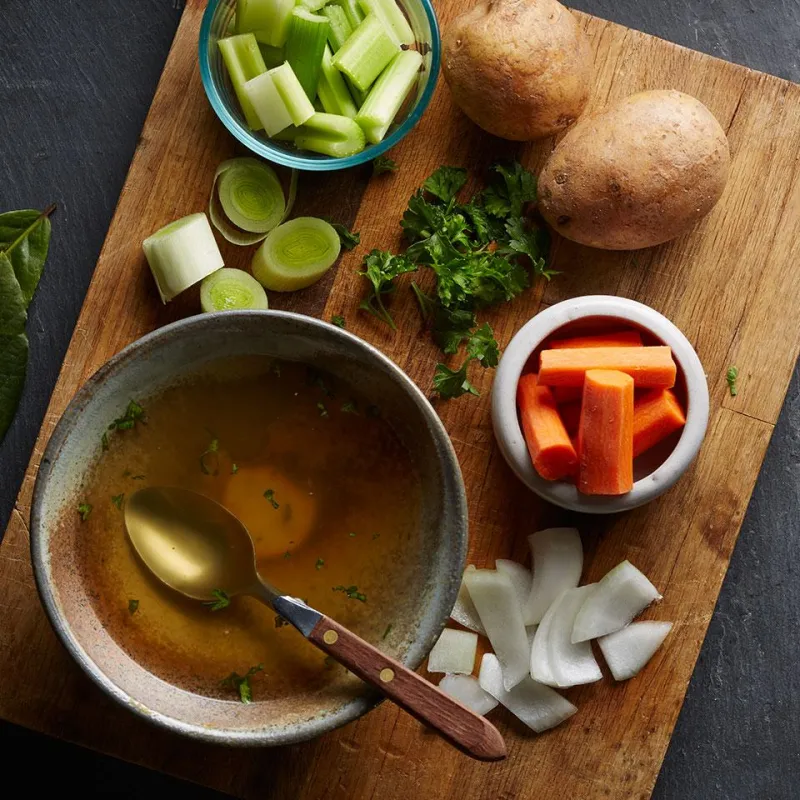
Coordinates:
<point>567,394</point>
<point>656,415</point>
<point>551,451</point>
<point>650,367</point>
<point>570,414</point>
<point>605,435</point>
<point>618,339</point>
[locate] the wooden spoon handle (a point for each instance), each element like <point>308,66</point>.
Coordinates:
<point>463,728</point>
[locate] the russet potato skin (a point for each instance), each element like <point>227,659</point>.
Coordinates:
<point>520,69</point>
<point>637,174</point>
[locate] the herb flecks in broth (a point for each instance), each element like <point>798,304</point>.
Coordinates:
<point>222,600</point>
<point>352,592</point>
<point>84,509</point>
<point>133,606</point>
<point>269,496</point>
<point>241,683</point>
<point>118,499</point>
<point>209,460</point>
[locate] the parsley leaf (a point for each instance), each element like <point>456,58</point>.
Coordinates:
<point>242,683</point>
<point>323,412</point>
<point>223,600</point>
<point>350,407</point>
<point>117,500</point>
<point>448,383</point>
<point>234,468</point>
<point>84,509</point>
<point>338,321</point>
<point>509,195</point>
<point>209,460</point>
<point>133,413</point>
<point>352,592</point>
<point>133,606</point>
<point>483,347</point>
<point>730,376</point>
<point>451,327</point>
<point>380,269</point>
<point>533,243</point>
<point>427,304</point>
<point>446,183</point>
<point>349,239</point>
<point>269,496</point>
<point>320,563</point>
<point>383,164</point>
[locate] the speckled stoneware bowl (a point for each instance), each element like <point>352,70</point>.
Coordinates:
<point>654,471</point>
<point>432,571</point>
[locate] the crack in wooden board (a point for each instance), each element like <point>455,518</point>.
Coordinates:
<point>731,284</point>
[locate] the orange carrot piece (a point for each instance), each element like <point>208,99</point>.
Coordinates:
<point>551,451</point>
<point>567,394</point>
<point>656,415</point>
<point>605,435</point>
<point>650,367</point>
<point>571,416</point>
<point>618,339</point>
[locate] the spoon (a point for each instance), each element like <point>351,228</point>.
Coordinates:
<point>195,545</point>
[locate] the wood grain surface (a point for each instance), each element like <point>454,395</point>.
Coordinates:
<point>731,285</point>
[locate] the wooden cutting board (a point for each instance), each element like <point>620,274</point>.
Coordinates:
<point>732,285</point>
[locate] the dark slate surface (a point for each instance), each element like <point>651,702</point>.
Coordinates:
<point>76,80</point>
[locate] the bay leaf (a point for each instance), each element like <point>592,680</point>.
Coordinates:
<point>25,239</point>
<point>12,300</point>
<point>13,365</point>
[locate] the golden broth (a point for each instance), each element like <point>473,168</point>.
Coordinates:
<point>326,488</point>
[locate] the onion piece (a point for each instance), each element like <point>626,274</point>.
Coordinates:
<point>454,652</point>
<point>540,668</point>
<point>628,650</point>
<point>620,595</point>
<point>557,557</point>
<point>520,578</point>
<point>496,602</point>
<point>535,704</point>
<point>464,611</point>
<point>571,664</point>
<point>467,691</point>
<point>231,289</point>
<point>181,254</point>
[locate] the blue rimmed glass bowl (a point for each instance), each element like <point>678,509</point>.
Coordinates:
<point>216,20</point>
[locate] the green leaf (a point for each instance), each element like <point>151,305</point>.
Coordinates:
<point>12,300</point>
<point>532,242</point>
<point>483,347</point>
<point>241,683</point>
<point>348,238</point>
<point>84,509</point>
<point>352,592</point>
<point>380,269</point>
<point>473,280</point>
<point>383,164</point>
<point>448,383</point>
<point>13,365</point>
<point>730,376</point>
<point>222,600</point>
<point>25,239</point>
<point>118,499</point>
<point>338,320</point>
<point>446,182</point>
<point>508,195</point>
<point>451,327</point>
<point>269,496</point>
<point>427,304</point>
<point>133,606</point>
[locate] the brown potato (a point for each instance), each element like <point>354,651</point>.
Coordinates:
<point>518,68</point>
<point>637,174</point>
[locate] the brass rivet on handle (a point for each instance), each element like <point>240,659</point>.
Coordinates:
<point>387,675</point>
<point>330,637</point>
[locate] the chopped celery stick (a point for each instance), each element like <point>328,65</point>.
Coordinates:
<point>244,62</point>
<point>273,56</point>
<point>340,28</point>
<point>332,89</point>
<point>308,34</point>
<point>181,254</point>
<point>267,104</point>
<point>231,289</point>
<point>392,17</point>
<point>296,254</point>
<point>366,52</point>
<point>251,195</point>
<point>355,16</point>
<point>312,5</point>
<point>295,99</point>
<point>268,20</point>
<point>287,135</point>
<point>387,95</point>
<point>331,135</point>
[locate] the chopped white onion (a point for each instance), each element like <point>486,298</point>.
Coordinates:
<point>540,657</point>
<point>626,651</point>
<point>520,578</point>
<point>467,690</point>
<point>620,595</point>
<point>496,602</point>
<point>454,652</point>
<point>571,664</point>
<point>557,557</point>
<point>535,704</point>
<point>181,254</point>
<point>464,611</point>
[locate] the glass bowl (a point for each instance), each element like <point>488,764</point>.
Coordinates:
<point>217,18</point>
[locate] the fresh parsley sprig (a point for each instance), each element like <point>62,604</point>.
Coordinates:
<point>241,683</point>
<point>380,269</point>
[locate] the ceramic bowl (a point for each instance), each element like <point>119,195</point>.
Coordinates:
<point>654,471</point>
<point>432,575</point>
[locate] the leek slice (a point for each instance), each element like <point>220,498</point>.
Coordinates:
<point>294,97</point>
<point>392,17</point>
<point>535,704</point>
<point>366,53</point>
<point>340,27</point>
<point>181,254</point>
<point>332,89</point>
<point>250,197</point>
<point>331,135</point>
<point>268,20</point>
<point>268,104</point>
<point>296,254</point>
<point>244,62</point>
<point>454,652</point>
<point>387,95</point>
<point>308,35</point>
<point>467,690</point>
<point>229,289</point>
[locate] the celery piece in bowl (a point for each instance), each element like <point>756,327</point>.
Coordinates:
<point>267,20</point>
<point>392,17</point>
<point>273,56</point>
<point>366,53</point>
<point>332,90</point>
<point>340,28</point>
<point>308,35</point>
<point>352,8</point>
<point>330,134</point>
<point>268,104</point>
<point>294,97</point>
<point>244,62</point>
